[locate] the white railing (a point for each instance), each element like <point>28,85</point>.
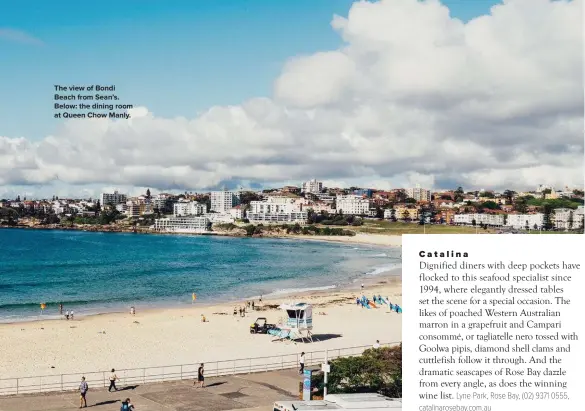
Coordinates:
<point>136,376</point>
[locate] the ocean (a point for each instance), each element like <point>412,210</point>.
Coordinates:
<point>93,273</point>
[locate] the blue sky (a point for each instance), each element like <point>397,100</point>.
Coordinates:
<point>175,57</point>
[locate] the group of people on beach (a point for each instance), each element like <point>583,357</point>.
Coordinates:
<point>68,314</point>
<point>250,305</point>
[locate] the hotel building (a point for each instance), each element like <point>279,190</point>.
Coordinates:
<point>194,224</point>
<point>223,201</point>
<point>352,205</point>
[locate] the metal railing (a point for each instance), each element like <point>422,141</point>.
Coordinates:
<point>136,376</point>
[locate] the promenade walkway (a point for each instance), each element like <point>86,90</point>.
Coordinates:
<point>248,392</point>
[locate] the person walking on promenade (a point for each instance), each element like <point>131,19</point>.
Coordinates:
<point>83,388</point>
<point>200,377</point>
<point>302,363</point>
<point>113,379</point>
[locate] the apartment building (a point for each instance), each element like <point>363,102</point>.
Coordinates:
<point>352,204</point>
<point>419,194</point>
<point>223,201</point>
<point>524,221</point>
<point>237,213</point>
<point>193,224</point>
<point>274,205</point>
<point>312,186</point>
<point>114,199</point>
<point>405,213</point>
<point>191,208</point>
<point>132,209</point>
<point>293,217</point>
<point>568,219</point>
<point>494,220</point>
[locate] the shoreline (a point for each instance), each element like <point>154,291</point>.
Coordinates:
<point>161,336</point>
<point>358,238</point>
<point>389,276</point>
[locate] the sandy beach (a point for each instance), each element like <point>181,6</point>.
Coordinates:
<point>359,238</point>
<point>174,336</point>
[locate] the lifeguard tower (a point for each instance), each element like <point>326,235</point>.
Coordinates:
<point>298,320</point>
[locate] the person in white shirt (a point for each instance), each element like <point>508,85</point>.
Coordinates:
<point>377,344</point>
<point>113,378</point>
<point>302,363</point>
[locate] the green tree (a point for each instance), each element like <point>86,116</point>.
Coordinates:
<point>509,195</point>
<point>548,219</point>
<point>377,370</point>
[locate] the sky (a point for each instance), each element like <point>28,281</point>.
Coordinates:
<point>258,93</point>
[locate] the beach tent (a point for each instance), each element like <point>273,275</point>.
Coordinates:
<point>299,320</point>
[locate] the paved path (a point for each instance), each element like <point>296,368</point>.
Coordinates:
<point>251,392</point>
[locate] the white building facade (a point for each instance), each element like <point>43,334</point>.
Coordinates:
<point>294,217</point>
<point>352,205</point>
<point>188,208</point>
<point>312,186</point>
<point>494,220</point>
<point>193,224</point>
<point>568,219</point>
<point>526,221</point>
<point>223,201</point>
<point>237,213</point>
<point>114,198</point>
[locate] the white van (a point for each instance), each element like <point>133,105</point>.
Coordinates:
<point>348,402</point>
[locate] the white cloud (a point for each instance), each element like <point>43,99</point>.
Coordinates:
<point>413,97</point>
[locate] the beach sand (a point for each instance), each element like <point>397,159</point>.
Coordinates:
<point>160,337</point>
<point>359,238</point>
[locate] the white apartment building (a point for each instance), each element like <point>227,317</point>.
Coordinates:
<point>352,204</point>
<point>159,201</point>
<point>182,224</point>
<point>312,186</point>
<point>419,194</point>
<point>114,198</point>
<point>494,220</point>
<point>299,217</point>
<point>521,221</point>
<point>567,219</point>
<point>223,201</point>
<point>188,208</point>
<point>274,205</point>
<point>318,207</point>
<point>237,213</point>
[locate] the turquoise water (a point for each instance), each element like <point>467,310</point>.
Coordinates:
<point>102,272</point>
